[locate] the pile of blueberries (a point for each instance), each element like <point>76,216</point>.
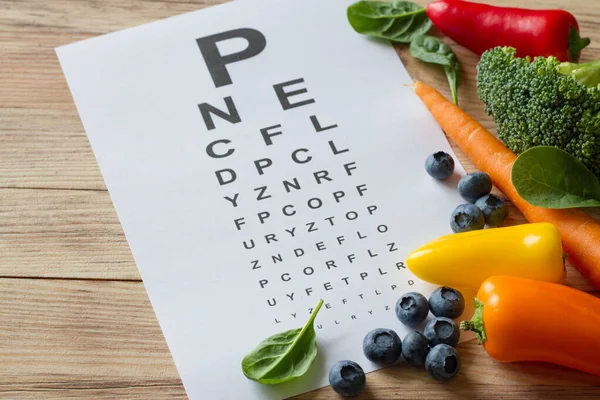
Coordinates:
<point>434,348</point>
<point>482,208</point>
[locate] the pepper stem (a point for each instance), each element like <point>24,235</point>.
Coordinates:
<point>467,325</point>
<point>576,44</point>
<point>476,323</point>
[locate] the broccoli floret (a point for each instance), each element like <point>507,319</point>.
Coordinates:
<point>534,105</point>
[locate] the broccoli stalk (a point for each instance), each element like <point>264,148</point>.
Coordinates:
<point>543,103</point>
<point>588,74</point>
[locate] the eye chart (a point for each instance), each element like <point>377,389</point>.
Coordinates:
<point>260,156</point>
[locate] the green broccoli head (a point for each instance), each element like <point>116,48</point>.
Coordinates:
<point>533,105</point>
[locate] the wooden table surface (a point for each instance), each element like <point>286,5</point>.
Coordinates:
<point>75,320</point>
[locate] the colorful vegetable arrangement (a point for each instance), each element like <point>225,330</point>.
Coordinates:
<point>547,111</point>
<point>480,27</point>
<point>533,104</point>
<point>580,232</point>
<point>525,320</point>
<point>465,260</point>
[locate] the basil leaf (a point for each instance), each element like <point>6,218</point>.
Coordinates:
<point>398,21</point>
<point>283,356</point>
<point>549,177</point>
<point>434,51</point>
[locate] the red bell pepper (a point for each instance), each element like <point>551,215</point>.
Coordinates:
<point>480,27</point>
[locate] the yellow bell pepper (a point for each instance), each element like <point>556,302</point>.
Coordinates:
<point>465,260</point>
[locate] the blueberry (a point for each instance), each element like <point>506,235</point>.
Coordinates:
<point>446,302</point>
<point>442,330</point>
<point>475,185</point>
<point>442,363</point>
<point>466,217</point>
<point>347,378</point>
<point>440,165</point>
<point>412,308</point>
<point>415,348</point>
<point>494,209</point>
<point>382,346</point>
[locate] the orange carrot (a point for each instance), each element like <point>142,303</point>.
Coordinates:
<point>579,231</point>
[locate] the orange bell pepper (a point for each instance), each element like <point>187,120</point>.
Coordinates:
<point>519,319</point>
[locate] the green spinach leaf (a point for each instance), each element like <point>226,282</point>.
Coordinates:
<point>398,21</point>
<point>548,177</point>
<point>283,356</point>
<point>432,50</point>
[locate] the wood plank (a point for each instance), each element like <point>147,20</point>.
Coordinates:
<point>109,15</point>
<point>46,148</point>
<point>62,234</point>
<point>82,339</point>
<point>97,339</point>
<point>90,16</point>
<point>30,74</point>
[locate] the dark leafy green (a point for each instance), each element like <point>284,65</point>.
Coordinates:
<point>432,50</point>
<point>548,177</point>
<point>398,21</point>
<point>283,356</point>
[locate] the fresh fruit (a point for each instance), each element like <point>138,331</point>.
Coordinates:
<point>466,217</point>
<point>440,165</point>
<point>382,346</point>
<point>446,302</point>
<point>442,362</point>
<point>412,308</point>
<point>415,347</point>
<point>442,330</point>
<point>474,185</point>
<point>347,378</point>
<point>494,209</point>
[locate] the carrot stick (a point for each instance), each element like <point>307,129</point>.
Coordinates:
<point>579,231</point>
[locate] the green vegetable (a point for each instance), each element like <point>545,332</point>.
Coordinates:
<point>535,105</point>
<point>576,44</point>
<point>432,50</point>
<point>588,74</point>
<point>283,356</point>
<point>398,21</point>
<point>548,177</point>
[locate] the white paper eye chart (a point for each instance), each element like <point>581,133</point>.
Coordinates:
<point>261,156</point>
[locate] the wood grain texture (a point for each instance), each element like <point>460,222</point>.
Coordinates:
<point>82,339</point>
<point>62,234</point>
<point>45,149</point>
<point>92,333</point>
<point>100,339</point>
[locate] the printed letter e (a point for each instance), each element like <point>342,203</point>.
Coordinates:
<point>217,63</point>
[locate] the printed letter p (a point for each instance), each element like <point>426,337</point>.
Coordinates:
<point>217,63</point>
